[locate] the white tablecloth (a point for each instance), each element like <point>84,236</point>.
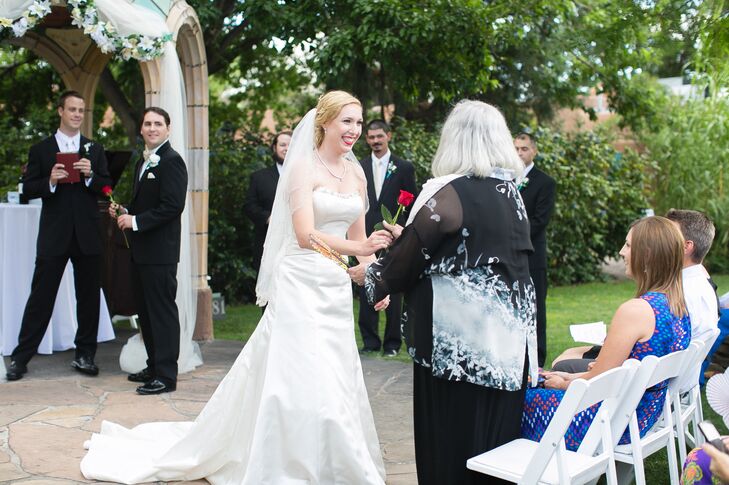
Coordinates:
<point>18,234</point>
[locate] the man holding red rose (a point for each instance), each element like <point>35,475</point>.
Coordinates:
<point>387,175</point>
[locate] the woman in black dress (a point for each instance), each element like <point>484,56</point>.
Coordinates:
<point>469,321</point>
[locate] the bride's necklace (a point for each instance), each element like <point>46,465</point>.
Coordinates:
<point>338,177</point>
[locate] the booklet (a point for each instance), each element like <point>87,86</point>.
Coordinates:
<point>590,333</point>
<point>68,159</point>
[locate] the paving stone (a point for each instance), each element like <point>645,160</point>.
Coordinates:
<point>10,473</point>
<point>15,412</point>
<point>46,392</point>
<point>4,457</point>
<point>64,412</point>
<point>189,408</point>
<point>50,451</point>
<point>130,409</point>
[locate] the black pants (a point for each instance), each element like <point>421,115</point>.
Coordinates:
<point>369,321</point>
<point>539,277</point>
<point>454,421</point>
<point>44,288</point>
<point>155,288</point>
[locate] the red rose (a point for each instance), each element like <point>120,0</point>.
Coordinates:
<point>406,198</point>
<point>107,190</point>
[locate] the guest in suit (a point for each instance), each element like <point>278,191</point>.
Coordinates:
<point>160,187</point>
<point>69,229</point>
<point>386,176</point>
<point>261,192</point>
<point>538,191</point>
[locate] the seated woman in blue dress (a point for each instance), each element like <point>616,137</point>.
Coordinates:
<point>655,322</point>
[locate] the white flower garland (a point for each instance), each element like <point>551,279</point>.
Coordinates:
<point>140,47</point>
<point>28,20</point>
<point>85,16</point>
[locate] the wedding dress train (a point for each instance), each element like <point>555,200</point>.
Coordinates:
<point>293,409</point>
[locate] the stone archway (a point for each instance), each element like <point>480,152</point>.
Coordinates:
<point>76,59</point>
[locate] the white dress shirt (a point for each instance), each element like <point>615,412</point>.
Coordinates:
<point>701,304</point>
<point>379,171</point>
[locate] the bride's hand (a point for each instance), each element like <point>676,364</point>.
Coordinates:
<point>394,229</point>
<point>382,304</point>
<point>357,273</point>
<point>378,240</point>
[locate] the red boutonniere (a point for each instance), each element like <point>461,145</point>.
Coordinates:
<point>404,200</point>
<point>109,192</point>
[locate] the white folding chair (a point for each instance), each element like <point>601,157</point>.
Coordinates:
<point>548,461</point>
<point>686,407</point>
<point>652,371</point>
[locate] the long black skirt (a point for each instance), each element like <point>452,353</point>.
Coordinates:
<point>455,421</point>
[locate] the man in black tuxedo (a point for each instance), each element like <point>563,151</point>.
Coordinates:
<point>160,187</point>
<point>261,192</point>
<point>386,176</point>
<point>69,229</point>
<point>538,191</point>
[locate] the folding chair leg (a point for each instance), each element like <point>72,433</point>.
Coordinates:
<point>672,465</point>
<point>698,417</point>
<point>681,433</point>
<point>612,474</point>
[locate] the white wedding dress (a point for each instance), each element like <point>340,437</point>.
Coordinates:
<point>292,410</point>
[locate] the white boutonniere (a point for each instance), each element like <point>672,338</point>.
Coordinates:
<point>391,167</point>
<point>153,160</point>
<point>84,151</point>
<point>524,182</point>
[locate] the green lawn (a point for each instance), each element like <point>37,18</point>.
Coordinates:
<point>565,305</point>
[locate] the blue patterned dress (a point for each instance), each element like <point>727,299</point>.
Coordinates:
<point>670,335</point>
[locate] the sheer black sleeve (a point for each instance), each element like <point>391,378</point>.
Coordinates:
<point>415,250</point>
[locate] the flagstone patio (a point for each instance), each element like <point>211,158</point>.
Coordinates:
<point>46,416</point>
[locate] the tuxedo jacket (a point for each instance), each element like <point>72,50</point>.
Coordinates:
<point>71,208</point>
<point>157,202</point>
<point>258,204</point>
<point>400,175</point>
<point>539,195</point>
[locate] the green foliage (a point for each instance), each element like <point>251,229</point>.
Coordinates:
<point>690,142</point>
<point>415,142</point>
<point>231,232</point>
<point>27,113</point>
<point>599,193</point>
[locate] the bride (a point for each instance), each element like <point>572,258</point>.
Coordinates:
<point>293,409</point>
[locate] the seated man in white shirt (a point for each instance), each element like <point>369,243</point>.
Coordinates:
<point>701,302</point>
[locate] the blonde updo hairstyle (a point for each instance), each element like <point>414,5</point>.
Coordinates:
<point>328,107</point>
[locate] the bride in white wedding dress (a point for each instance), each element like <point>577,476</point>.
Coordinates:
<point>293,409</point>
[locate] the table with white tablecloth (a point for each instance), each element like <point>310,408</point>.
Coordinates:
<point>18,234</point>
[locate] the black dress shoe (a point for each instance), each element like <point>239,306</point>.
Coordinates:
<point>144,375</point>
<point>390,353</point>
<point>155,386</point>
<point>85,365</point>
<point>15,371</point>
<point>368,350</point>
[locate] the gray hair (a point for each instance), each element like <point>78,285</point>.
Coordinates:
<point>696,227</point>
<point>475,140</point>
